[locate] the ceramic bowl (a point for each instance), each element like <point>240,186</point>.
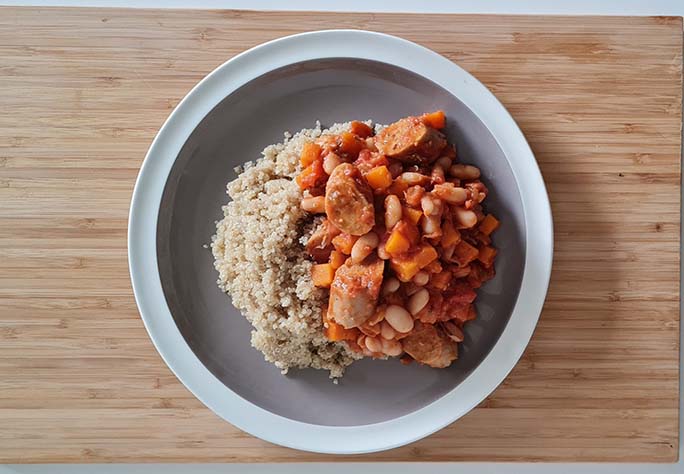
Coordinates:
<point>228,118</point>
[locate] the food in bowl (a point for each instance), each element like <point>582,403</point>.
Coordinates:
<point>357,242</point>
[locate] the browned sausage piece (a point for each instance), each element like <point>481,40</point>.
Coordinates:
<point>349,201</point>
<point>319,244</point>
<point>354,292</point>
<point>429,345</point>
<point>410,140</point>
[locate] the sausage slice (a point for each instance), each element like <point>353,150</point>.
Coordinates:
<point>411,141</point>
<point>349,201</point>
<point>354,292</point>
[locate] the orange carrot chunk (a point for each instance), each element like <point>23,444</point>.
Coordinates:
<point>435,119</point>
<point>344,243</point>
<point>361,129</point>
<point>450,235</point>
<point>336,332</point>
<point>337,259</point>
<point>379,178</point>
<point>310,152</point>
<point>322,275</point>
<point>486,256</point>
<point>489,224</point>
<point>397,243</point>
<point>313,175</point>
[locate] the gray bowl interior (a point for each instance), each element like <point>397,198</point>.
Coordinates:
<point>236,130</point>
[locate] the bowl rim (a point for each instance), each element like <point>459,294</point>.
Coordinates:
<point>142,251</point>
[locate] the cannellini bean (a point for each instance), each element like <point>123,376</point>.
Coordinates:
<point>392,348</point>
<point>373,344</point>
<point>315,204</point>
<point>399,318</point>
<point>414,178</point>
<point>390,285</point>
<point>364,246</point>
<point>330,162</point>
<point>410,288</point>
<point>437,175</point>
<point>421,278</point>
<point>431,225</point>
<point>451,193</point>
<point>444,162</point>
<point>382,253</point>
<point>464,217</point>
<point>464,171</point>
<point>430,205</point>
<point>392,211</point>
<point>418,301</point>
<point>386,331</point>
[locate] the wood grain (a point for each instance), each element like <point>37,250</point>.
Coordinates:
<point>83,92</point>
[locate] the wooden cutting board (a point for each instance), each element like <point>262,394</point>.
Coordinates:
<point>83,92</point>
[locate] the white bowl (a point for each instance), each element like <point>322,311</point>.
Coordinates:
<point>287,410</point>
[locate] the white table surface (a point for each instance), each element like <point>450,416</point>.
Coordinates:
<point>549,7</point>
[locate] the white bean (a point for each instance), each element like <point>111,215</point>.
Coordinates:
<point>437,175</point>
<point>466,218</point>
<point>330,162</point>
<point>315,204</point>
<point>444,162</point>
<point>373,344</point>
<point>431,226</point>
<point>414,178</point>
<point>418,301</point>
<point>399,318</point>
<point>464,171</point>
<point>421,278</point>
<point>451,193</point>
<point>392,211</point>
<point>386,330</point>
<point>392,348</point>
<point>390,285</point>
<point>382,253</point>
<point>364,246</point>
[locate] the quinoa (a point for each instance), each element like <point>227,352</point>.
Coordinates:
<point>262,264</point>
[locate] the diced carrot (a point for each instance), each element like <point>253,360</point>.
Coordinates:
<point>441,280</point>
<point>412,215</point>
<point>464,253</point>
<point>434,267</point>
<point>450,235</point>
<point>350,144</point>
<point>435,119</point>
<point>344,242</point>
<point>313,175</point>
<point>486,256</point>
<point>398,187</point>
<point>310,152</point>
<point>397,243</point>
<point>361,129</point>
<point>404,267</point>
<point>379,178</point>
<point>322,275</point>
<point>426,255</point>
<point>489,224</point>
<point>337,332</point>
<point>337,259</point>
